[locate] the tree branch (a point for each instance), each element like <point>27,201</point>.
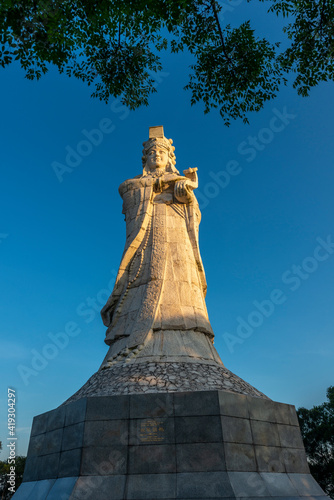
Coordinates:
<point>213,5</point>
<point>322,15</point>
<point>119,38</point>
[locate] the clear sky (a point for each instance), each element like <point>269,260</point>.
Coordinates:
<point>266,194</point>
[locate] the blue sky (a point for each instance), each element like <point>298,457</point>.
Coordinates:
<point>61,242</point>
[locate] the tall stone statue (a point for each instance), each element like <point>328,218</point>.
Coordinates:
<point>160,288</point>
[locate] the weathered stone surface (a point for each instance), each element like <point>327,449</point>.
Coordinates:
<point>56,419</point>
<point>269,459</point>
<point>149,377</point>
<point>262,411</point>
<point>31,469</point>
<point>106,433</point>
<point>200,457</point>
<point>52,441</point>
<point>236,430</point>
<point>62,488</point>
<point>279,485</point>
<point>104,408</point>
<point>265,433</point>
<point>285,414</point>
<point>98,488</point>
<point>39,491</point>
<point>295,460</point>
<point>240,457</point>
<point>290,437</point>
<point>69,463</point>
<point>203,485</point>
<point>152,459</point>
<point>248,484</point>
<point>149,486</point>
<point>235,405</point>
<point>39,424</point>
<point>48,466</point>
<point>305,484</point>
<point>202,429</point>
<point>196,403</point>
<point>76,413</point>
<point>103,460</point>
<point>36,445</point>
<point>72,436</point>
<point>153,405</point>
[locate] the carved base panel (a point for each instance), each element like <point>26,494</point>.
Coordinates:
<point>192,445</point>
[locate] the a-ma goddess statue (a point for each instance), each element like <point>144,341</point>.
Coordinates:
<point>157,307</point>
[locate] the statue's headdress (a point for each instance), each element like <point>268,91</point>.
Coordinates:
<point>157,138</point>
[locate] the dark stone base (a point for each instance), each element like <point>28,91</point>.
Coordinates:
<point>193,445</point>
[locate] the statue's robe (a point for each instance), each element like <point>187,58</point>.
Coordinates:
<point>161,282</point>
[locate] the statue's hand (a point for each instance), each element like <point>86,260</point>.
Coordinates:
<point>191,174</point>
<point>170,178</point>
<point>183,190</point>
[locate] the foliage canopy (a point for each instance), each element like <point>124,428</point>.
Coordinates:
<point>5,493</point>
<point>115,45</point>
<point>317,428</point>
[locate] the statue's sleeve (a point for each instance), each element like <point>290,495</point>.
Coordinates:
<point>137,208</point>
<point>193,221</point>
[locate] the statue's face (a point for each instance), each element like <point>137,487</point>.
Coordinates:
<point>157,158</point>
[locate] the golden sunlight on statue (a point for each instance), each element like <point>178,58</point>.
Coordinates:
<point>157,307</point>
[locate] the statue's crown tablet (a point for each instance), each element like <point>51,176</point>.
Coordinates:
<point>156,132</point>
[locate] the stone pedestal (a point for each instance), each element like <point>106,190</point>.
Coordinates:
<point>182,445</point>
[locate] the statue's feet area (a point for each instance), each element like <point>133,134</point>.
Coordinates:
<point>150,377</point>
<point>176,346</point>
